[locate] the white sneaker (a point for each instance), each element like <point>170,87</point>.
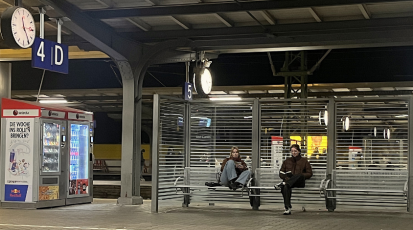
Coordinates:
<point>279,185</point>
<point>287,211</point>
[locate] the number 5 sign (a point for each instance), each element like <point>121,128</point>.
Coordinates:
<point>50,56</point>
<point>187,91</point>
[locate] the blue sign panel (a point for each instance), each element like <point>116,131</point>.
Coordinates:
<point>187,91</point>
<point>15,192</point>
<point>50,56</point>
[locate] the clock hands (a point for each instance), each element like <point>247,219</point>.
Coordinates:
<point>24,28</point>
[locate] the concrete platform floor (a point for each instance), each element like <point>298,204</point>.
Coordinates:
<point>104,214</point>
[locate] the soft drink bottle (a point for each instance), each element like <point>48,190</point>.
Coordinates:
<point>12,155</point>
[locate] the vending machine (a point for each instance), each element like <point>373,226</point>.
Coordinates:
<point>80,130</point>
<point>36,151</point>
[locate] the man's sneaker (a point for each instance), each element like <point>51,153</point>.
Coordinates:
<point>278,186</point>
<point>287,211</point>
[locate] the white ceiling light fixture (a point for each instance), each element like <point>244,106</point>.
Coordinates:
<point>53,101</point>
<point>375,132</point>
<point>225,99</point>
<point>384,133</point>
<point>346,123</point>
<point>388,134</point>
<point>326,117</point>
<point>319,117</point>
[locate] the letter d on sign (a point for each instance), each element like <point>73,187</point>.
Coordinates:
<point>58,57</point>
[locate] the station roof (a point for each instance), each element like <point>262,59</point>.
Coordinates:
<point>224,26</point>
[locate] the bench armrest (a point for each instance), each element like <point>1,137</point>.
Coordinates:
<point>249,182</point>
<point>176,181</point>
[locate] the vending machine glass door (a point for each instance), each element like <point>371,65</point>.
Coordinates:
<point>51,148</point>
<point>79,160</point>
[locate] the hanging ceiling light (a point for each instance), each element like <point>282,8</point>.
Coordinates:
<point>346,123</point>
<point>326,117</point>
<point>319,117</point>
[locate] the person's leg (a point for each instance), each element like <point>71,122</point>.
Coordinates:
<point>228,173</point>
<point>296,181</point>
<point>286,191</point>
<point>242,179</point>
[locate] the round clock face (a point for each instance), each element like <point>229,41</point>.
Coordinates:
<point>206,81</point>
<point>23,27</point>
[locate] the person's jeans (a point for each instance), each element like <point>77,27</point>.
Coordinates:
<point>229,173</point>
<point>296,181</point>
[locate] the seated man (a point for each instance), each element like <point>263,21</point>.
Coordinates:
<point>294,171</point>
<point>235,172</point>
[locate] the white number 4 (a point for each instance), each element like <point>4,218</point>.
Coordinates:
<point>40,51</point>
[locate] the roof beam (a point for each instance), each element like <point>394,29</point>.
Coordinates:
<point>153,2</point>
<point>107,3</point>
<point>224,19</point>
<point>139,23</point>
<point>8,2</point>
<point>210,8</point>
<point>364,11</point>
<point>280,29</point>
<point>315,15</point>
<point>179,22</point>
<point>96,32</point>
<point>268,17</point>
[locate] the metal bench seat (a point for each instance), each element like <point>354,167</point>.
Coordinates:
<point>358,187</point>
<point>195,177</point>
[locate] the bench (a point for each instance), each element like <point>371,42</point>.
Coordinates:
<point>368,187</point>
<point>195,177</point>
<point>266,178</point>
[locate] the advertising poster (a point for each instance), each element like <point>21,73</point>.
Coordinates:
<point>48,192</point>
<point>82,186</point>
<point>276,152</point>
<point>19,159</point>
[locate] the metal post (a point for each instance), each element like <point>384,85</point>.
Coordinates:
<point>155,153</point>
<point>137,168</point>
<point>42,12</point>
<point>128,162</point>
<point>59,29</point>
<point>256,143</point>
<point>187,144</point>
<point>5,92</point>
<point>17,2</point>
<point>331,146</point>
<point>410,159</point>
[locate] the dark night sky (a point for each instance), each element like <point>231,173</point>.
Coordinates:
<point>352,65</point>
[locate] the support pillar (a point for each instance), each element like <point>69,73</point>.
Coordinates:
<point>5,80</point>
<point>410,160</point>
<point>5,91</point>
<point>331,152</point>
<point>127,196</point>
<point>256,151</point>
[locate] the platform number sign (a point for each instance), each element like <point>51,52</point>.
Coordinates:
<point>50,56</point>
<point>187,91</point>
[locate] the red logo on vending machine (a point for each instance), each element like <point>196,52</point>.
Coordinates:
<point>15,112</point>
<point>15,193</point>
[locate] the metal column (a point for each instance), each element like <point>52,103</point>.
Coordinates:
<point>155,153</point>
<point>410,159</point>
<point>5,91</point>
<point>256,151</point>
<point>331,152</point>
<point>187,141</point>
<point>128,133</point>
